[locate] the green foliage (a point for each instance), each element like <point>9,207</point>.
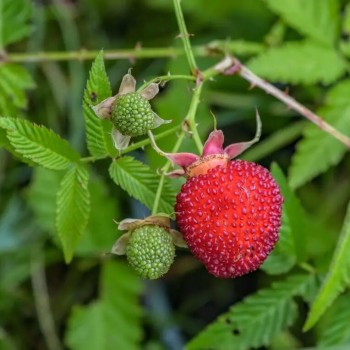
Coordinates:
<point>73,209</point>
<point>283,257</point>
<point>337,330</point>
<point>317,145</point>
<point>112,322</point>
<point>255,321</point>
<point>317,19</point>
<point>141,183</point>
<point>42,201</point>
<point>338,277</point>
<point>14,80</point>
<point>303,62</point>
<point>14,21</point>
<point>293,213</point>
<point>299,42</point>
<point>39,144</point>
<point>101,231</point>
<point>98,132</point>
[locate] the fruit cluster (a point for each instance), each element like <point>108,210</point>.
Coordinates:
<point>228,211</point>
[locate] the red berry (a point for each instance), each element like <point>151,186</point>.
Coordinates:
<point>230,216</point>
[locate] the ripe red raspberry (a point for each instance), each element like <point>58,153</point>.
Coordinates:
<point>229,211</point>
<point>230,217</point>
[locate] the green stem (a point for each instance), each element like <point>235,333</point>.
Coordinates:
<point>191,116</point>
<point>165,78</point>
<point>215,48</point>
<point>164,170</point>
<point>185,37</point>
<point>146,142</point>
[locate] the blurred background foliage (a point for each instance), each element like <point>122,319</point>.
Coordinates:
<point>99,296</point>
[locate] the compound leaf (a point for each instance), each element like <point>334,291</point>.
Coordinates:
<point>299,62</point>
<point>317,144</point>
<point>256,320</point>
<point>39,144</point>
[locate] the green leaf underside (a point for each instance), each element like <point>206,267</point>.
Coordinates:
<point>317,19</point>
<point>112,322</point>
<point>317,144</point>
<point>296,215</point>
<point>14,80</point>
<point>14,20</point>
<point>141,183</point>
<point>299,62</point>
<point>98,132</point>
<point>338,277</point>
<point>39,144</point>
<point>73,209</point>
<point>337,330</point>
<point>257,320</point>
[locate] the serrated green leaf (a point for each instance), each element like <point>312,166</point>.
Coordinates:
<point>317,144</point>
<point>317,19</point>
<point>299,62</point>
<point>113,322</point>
<point>42,201</point>
<point>101,231</point>
<point>73,209</point>
<point>295,213</point>
<point>337,330</point>
<point>256,320</point>
<point>14,80</point>
<point>141,183</point>
<point>39,144</point>
<point>14,21</point>
<point>338,277</point>
<point>98,132</point>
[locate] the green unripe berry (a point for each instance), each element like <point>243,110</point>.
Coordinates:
<point>132,115</point>
<point>150,251</point>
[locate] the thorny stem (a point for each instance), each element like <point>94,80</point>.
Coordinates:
<point>216,47</point>
<point>164,170</point>
<point>82,55</point>
<point>185,37</point>
<point>42,303</point>
<point>233,63</point>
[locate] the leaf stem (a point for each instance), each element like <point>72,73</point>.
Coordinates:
<point>231,65</point>
<point>164,170</point>
<point>185,37</point>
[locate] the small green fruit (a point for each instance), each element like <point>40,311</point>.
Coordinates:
<point>150,251</point>
<point>132,114</point>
